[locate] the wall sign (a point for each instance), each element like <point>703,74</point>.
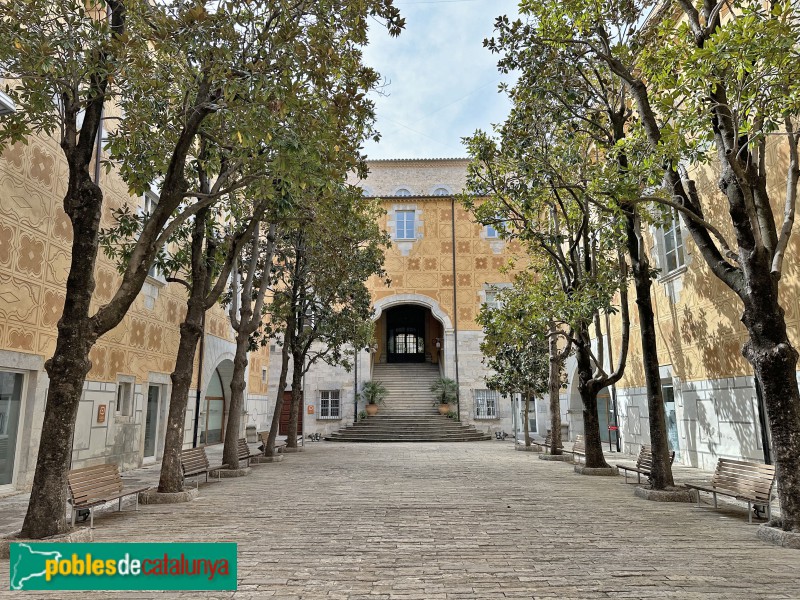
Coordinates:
<point>311,409</point>
<point>101,413</point>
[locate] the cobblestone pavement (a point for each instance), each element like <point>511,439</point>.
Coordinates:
<point>456,521</point>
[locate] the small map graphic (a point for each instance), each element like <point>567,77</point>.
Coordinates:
<point>29,564</point>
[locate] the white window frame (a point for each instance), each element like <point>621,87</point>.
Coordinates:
<point>440,190</point>
<point>325,410</point>
<point>402,227</point>
<point>403,192</point>
<point>149,203</point>
<point>7,106</point>
<point>486,402</point>
<point>672,233</point>
<point>124,406</point>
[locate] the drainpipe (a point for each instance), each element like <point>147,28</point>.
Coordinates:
<point>613,386</point>
<point>455,305</point>
<point>355,390</point>
<point>199,382</point>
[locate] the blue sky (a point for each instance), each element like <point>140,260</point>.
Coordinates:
<point>442,82</point>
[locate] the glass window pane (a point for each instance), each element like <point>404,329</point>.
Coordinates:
<point>10,406</point>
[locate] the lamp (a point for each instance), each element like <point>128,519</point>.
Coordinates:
<point>438,343</point>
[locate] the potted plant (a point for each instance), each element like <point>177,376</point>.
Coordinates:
<point>373,393</point>
<point>446,391</point>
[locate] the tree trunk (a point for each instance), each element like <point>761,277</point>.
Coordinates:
<point>191,329</point>
<point>774,361</point>
<point>276,415</point>
<point>69,365</point>
<point>591,423</point>
<point>554,391</point>
<point>661,470</point>
<point>297,396</point>
<point>230,451</point>
<point>526,420</point>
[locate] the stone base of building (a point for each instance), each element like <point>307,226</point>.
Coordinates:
<point>258,460</point>
<point>231,473</point>
<point>74,536</point>
<point>674,494</point>
<point>774,535</point>
<point>556,457</point>
<point>599,472</point>
<point>153,496</point>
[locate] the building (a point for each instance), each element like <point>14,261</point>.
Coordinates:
<point>123,410</point>
<point>440,258</point>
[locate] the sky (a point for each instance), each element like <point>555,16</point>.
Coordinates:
<point>441,83</point>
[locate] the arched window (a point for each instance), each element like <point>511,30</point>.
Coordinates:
<point>441,191</point>
<point>402,192</point>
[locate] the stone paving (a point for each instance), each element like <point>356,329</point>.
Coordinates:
<point>455,521</point>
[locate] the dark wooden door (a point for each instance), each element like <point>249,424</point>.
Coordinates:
<point>406,334</point>
<point>286,411</point>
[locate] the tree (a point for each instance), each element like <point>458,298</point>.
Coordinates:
<point>562,82</point>
<point>168,66</point>
<point>321,302</point>
<point>516,348</point>
<point>538,186</point>
<point>721,89</point>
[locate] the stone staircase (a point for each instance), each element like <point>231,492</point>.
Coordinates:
<point>408,414</point>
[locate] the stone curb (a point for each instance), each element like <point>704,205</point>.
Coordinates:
<point>556,457</point>
<point>778,537</point>
<point>230,473</point>
<point>601,472</point>
<point>153,496</point>
<point>259,460</point>
<point>298,449</point>
<point>77,535</point>
<point>673,495</point>
<point>524,448</point>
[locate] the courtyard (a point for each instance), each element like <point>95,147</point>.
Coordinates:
<point>453,521</point>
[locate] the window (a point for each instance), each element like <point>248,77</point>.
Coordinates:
<point>124,398</point>
<point>330,405</point>
<point>406,229</point>
<point>7,105</point>
<point>492,302</point>
<point>150,203</point>
<point>485,404</point>
<point>402,192</point>
<point>491,232</point>
<point>673,245</point>
<point>263,374</point>
<point>441,191</point>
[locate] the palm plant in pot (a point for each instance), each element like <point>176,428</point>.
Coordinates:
<point>446,391</point>
<point>373,393</point>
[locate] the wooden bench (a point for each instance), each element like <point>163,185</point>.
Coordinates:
<point>94,486</point>
<point>547,442</point>
<point>264,435</point>
<point>578,447</point>
<point>244,452</point>
<point>746,481</point>
<point>194,461</point>
<point>644,464</point>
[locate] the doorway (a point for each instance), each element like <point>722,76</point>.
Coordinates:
<point>405,334</point>
<point>152,421</point>
<point>286,413</point>
<point>11,389</point>
<point>211,421</point>
<point>672,421</point>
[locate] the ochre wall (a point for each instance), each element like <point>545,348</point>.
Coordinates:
<point>35,238</point>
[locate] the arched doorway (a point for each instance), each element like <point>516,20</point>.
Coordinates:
<point>214,406</point>
<point>405,334</point>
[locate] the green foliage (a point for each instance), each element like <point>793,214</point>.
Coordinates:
<point>362,416</point>
<point>373,392</point>
<point>445,390</point>
<point>515,345</point>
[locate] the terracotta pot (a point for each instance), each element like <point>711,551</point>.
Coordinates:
<point>444,409</point>
<point>372,409</point>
